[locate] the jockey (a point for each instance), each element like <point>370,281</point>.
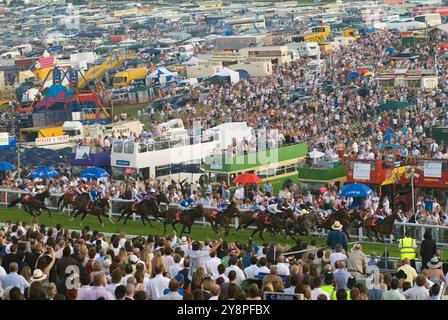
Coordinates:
<point>82,188</point>
<point>272,208</point>
<point>186,203</point>
<point>93,194</point>
<point>222,205</point>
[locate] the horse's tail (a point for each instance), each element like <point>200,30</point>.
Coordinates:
<point>14,202</point>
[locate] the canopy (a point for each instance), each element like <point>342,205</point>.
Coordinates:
<point>5,166</point>
<point>233,75</point>
<point>316,154</point>
<point>44,173</point>
<point>186,168</point>
<point>163,73</point>
<point>243,74</point>
<point>355,190</point>
<point>94,172</point>
<point>368,74</point>
<point>353,74</point>
<point>390,49</point>
<point>247,178</point>
<point>394,105</point>
<point>362,71</point>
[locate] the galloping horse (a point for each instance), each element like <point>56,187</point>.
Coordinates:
<point>222,219</point>
<point>31,203</point>
<point>342,216</point>
<point>145,208</point>
<point>98,209</point>
<point>186,218</point>
<point>69,198</point>
<point>384,227</point>
<point>307,223</point>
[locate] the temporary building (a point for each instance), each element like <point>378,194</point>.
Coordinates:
<point>233,75</point>
<point>163,75</point>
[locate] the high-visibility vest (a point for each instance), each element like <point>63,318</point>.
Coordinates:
<point>407,248</point>
<point>328,289</point>
<point>333,295</point>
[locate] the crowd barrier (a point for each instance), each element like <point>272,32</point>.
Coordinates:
<point>439,233</point>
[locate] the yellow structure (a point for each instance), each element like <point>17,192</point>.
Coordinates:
<point>316,34</point>
<point>31,134</point>
<point>210,4</point>
<point>112,62</point>
<point>125,78</point>
<point>351,33</point>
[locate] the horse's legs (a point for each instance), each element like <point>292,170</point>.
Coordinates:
<point>82,217</point>
<point>182,232</point>
<point>121,216</point>
<point>261,233</point>
<point>253,232</point>
<point>173,224</point>
<point>99,218</point>
<point>189,229</point>
<point>149,221</point>
<point>143,219</point>
<point>164,227</point>
<point>227,230</point>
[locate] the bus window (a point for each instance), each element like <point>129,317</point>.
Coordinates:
<point>161,145</point>
<point>118,146</point>
<point>291,168</point>
<point>150,147</point>
<point>163,171</point>
<point>129,147</point>
<point>280,170</point>
<point>142,148</point>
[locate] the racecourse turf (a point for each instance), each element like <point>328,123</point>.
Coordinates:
<point>199,232</point>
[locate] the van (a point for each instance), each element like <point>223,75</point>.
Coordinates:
<point>172,130</point>
<point>74,130</point>
<point>431,19</point>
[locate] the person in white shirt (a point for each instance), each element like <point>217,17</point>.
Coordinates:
<point>174,269</point>
<point>282,268</point>
<point>232,266</point>
<point>337,255</point>
<point>212,263</point>
<point>252,270</point>
<point>317,291</point>
<point>156,285</point>
<point>263,268</point>
<point>174,287</point>
<point>221,274</point>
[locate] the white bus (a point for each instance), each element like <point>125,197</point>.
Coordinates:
<point>154,160</point>
<point>430,19</point>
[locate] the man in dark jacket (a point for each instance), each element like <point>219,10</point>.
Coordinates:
<point>336,236</point>
<point>10,257</point>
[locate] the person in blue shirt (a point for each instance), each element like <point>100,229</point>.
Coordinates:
<point>93,195</point>
<point>222,205</point>
<point>186,203</point>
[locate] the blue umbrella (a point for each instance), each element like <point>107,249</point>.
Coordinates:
<point>44,173</point>
<point>94,172</point>
<point>355,190</point>
<point>5,166</point>
<point>353,74</point>
<point>390,49</point>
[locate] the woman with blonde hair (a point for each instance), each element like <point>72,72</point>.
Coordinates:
<point>97,268</point>
<point>26,273</point>
<point>159,263</point>
<point>199,275</point>
<point>123,255</point>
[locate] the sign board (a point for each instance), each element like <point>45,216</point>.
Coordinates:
<point>82,153</point>
<point>4,138</point>
<point>361,171</point>
<point>122,163</point>
<point>432,169</point>
<point>51,140</point>
<point>12,144</point>
<point>282,296</point>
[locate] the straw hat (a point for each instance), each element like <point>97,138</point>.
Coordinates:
<point>435,263</point>
<point>336,225</point>
<point>38,275</point>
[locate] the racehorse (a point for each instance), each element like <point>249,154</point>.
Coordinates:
<point>342,216</point>
<point>384,227</point>
<point>222,219</point>
<point>186,218</point>
<point>98,209</point>
<point>145,208</point>
<point>31,203</point>
<point>307,223</point>
<point>69,198</point>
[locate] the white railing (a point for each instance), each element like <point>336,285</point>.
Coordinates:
<point>439,233</point>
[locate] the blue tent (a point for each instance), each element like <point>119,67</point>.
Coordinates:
<point>94,172</point>
<point>355,190</point>
<point>243,74</point>
<point>43,173</point>
<point>353,74</point>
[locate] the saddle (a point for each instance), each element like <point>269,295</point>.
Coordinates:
<point>255,214</point>
<point>28,197</point>
<point>74,198</point>
<point>213,214</point>
<point>267,219</point>
<point>135,207</point>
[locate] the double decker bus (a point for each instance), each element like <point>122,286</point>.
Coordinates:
<point>432,177</point>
